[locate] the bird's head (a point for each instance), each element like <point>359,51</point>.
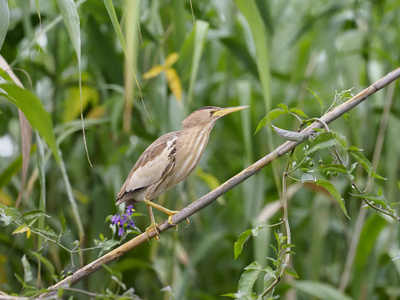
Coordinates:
<point>208,115</point>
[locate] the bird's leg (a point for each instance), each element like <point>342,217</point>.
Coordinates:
<point>153,224</point>
<point>170,213</point>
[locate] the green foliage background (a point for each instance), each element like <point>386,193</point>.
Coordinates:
<point>257,53</point>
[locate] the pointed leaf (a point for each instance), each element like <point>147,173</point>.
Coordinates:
<point>283,107</point>
<point>154,72</point>
<point>289,270</point>
<point>316,96</point>
<point>334,192</point>
<point>171,59</point>
<point>377,199</point>
<point>249,277</point>
<point>322,141</point>
<point>34,214</point>
<point>70,17</point>
<point>333,168</point>
<point>31,106</point>
<point>298,111</point>
<point>364,162</point>
<point>27,269</point>
<point>243,237</point>
<point>273,114</point>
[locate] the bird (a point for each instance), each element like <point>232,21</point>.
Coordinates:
<point>169,160</point>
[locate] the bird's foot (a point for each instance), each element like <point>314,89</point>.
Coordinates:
<point>171,213</point>
<point>154,226</point>
<point>172,223</point>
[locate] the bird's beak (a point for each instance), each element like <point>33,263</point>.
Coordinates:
<point>224,111</point>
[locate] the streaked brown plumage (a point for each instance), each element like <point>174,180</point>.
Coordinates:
<point>170,159</point>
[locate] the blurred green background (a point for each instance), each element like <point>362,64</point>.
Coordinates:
<point>256,52</point>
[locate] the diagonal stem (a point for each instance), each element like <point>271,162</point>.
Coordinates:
<point>207,199</point>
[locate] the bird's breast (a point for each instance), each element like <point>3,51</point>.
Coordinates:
<point>189,150</point>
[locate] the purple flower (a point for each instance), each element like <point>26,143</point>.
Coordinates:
<point>129,210</point>
<point>121,231</point>
<point>131,224</point>
<point>116,219</point>
<point>123,220</point>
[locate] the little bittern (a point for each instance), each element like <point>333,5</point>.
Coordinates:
<point>169,160</point>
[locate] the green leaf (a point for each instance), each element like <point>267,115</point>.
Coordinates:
<point>31,106</point>
<point>200,36</point>
<point>255,265</point>
<point>283,107</point>
<point>377,199</point>
<point>34,214</point>
<point>334,192</point>
<point>27,269</point>
<point>322,141</point>
<point>269,271</point>
<point>289,270</point>
<point>48,233</point>
<point>63,222</point>
<point>341,139</point>
<point>319,290</point>
<point>298,111</point>
<point>364,162</point>
<point>249,277</point>
<point>316,96</point>
<point>333,168</point>
<point>238,246</point>
<point>273,114</point>
<point>70,17</point>
<point>244,236</point>
<point>4,20</point>
<point>251,12</point>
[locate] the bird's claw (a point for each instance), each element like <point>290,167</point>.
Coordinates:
<point>170,219</point>
<point>155,226</point>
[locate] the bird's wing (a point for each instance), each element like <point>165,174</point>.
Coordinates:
<point>155,163</point>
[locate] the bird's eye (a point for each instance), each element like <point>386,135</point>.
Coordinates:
<point>212,112</point>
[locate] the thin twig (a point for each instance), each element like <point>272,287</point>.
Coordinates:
<point>209,198</point>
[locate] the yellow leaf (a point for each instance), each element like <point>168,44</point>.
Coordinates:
<point>72,103</point>
<point>174,83</point>
<point>21,229</point>
<point>171,59</point>
<point>5,199</point>
<point>153,72</point>
<point>96,112</point>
